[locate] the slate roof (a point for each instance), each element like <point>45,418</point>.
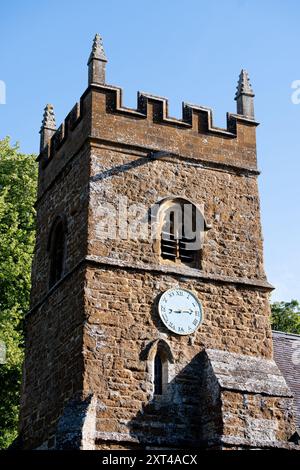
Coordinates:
<point>287,356</point>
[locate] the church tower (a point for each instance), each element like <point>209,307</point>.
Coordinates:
<point>149,322</point>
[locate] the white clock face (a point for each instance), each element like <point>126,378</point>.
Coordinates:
<point>180,311</point>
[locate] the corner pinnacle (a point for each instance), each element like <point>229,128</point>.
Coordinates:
<point>244,86</point>
<point>49,117</point>
<point>97,50</point>
<point>244,96</point>
<point>48,127</point>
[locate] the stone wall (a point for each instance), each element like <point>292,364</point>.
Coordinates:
<point>150,128</point>
<point>53,369</point>
<point>123,323</point>
<point>232,247</point>
<point>66,196</point>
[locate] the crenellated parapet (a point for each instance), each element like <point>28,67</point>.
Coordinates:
<point>151,108</point>
<point>161,115</point>
<point>101,106</point>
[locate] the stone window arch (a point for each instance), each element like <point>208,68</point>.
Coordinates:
<point>57,250</point>
<point>179,227</point>
<point>160,365</point>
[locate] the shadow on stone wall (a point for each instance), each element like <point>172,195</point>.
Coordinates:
<point>185,415</point>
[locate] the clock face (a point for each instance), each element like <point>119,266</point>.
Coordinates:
<point>180,311</point>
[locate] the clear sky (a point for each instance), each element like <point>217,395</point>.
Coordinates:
<point>185,50</point>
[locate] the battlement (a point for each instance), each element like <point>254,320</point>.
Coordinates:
<point>144,110</point>
<point>102,103</point>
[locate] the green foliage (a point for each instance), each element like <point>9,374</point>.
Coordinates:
<point>18,179</point>
<point>286,316</point>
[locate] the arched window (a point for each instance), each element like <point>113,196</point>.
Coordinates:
<point>160,365</point>
<point>158,374</point>
<point>181,226</point>
<point>56,251</point>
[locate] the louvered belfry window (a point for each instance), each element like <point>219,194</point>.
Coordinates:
<point>178,234</point>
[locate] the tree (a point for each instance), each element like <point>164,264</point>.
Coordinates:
<point>18,180</point>
<point>286,316</point>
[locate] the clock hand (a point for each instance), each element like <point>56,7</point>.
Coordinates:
<point>190,311</point>
<point>175,311</point>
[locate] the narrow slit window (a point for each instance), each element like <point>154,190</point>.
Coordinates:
<point>158,375</point>
<point>57,253</point>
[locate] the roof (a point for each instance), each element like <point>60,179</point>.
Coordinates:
<point>287,356</point>
<point>247,373</point>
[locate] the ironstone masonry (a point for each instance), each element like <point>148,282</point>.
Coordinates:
<point>91,337</point>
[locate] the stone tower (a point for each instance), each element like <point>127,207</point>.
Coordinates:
<point>104,369</point>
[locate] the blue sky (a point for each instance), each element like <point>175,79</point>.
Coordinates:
<point>187,51</point>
